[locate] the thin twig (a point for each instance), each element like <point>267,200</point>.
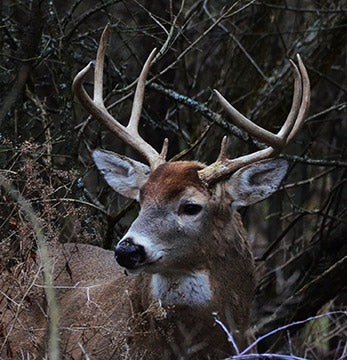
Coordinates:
<point>308,181</point>
<point>75,201</point>
<point>86,15</point>
<point>284,327</point>
<point>230,336</point>
<point>185,152</point>
<point>265,356</point>
<point>45,124</point>
<point>291,8</point>
<point>337,107</point>
<point>238,43</point>
<point>84,351</point>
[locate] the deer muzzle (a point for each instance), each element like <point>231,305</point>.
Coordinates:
<point>129,255</point>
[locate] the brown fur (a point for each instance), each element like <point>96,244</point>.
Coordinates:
<point>170,179</point>
<point>113,316</point>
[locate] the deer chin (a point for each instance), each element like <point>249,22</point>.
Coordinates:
<point>149,267</point>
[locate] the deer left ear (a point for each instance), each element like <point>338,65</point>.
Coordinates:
<point>256,182</point>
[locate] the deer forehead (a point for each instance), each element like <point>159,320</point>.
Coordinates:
<point>171,180</point>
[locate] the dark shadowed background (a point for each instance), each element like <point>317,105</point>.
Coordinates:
<point>240,48</point>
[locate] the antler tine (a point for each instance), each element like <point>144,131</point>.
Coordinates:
<point>296,102</point>
<point>96,106</point>
<point>223,150</point>
<point>164,149</point>
<point>278,140</point>
<point>305,102</point>
<point>139,95</point>
<point>300,103</point>
<point>99,67</point>
<point>242,122</point>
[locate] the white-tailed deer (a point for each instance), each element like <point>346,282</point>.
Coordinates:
<point>187,246</point>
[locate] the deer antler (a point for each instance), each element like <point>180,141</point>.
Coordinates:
<point>96,107</point>
<point>276,142</point>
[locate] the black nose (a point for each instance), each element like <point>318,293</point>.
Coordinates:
<point>128,254</point>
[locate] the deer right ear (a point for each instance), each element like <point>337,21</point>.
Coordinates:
<point>124,175</point>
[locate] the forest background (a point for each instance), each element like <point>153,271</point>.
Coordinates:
<point>241,48</point>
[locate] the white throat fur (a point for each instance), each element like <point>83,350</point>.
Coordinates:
<point>193,289</point>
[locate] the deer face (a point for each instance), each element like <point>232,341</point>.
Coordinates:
<point>173,230</point>
<point>175,213</point>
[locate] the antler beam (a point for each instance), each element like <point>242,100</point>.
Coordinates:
<point>96,107</point>
<point>276,142</point>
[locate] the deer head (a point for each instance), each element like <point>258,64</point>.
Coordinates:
<point>178,199</point>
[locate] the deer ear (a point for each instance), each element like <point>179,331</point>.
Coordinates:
<point>256,182</point>
<point>124,175</point>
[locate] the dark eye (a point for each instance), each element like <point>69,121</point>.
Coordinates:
<point>190,209</point>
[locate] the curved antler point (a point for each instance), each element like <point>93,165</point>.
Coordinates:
<point>298,58</point>
<point>79,78</point>
<point>107,28</point>
<point>216,92</point>
<point>164,149</point>
<point>223,149</point>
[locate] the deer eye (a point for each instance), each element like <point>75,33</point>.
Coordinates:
<point>190,209</point>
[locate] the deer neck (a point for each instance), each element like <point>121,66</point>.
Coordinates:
<point>192,289</point>
<point>210,285</point>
